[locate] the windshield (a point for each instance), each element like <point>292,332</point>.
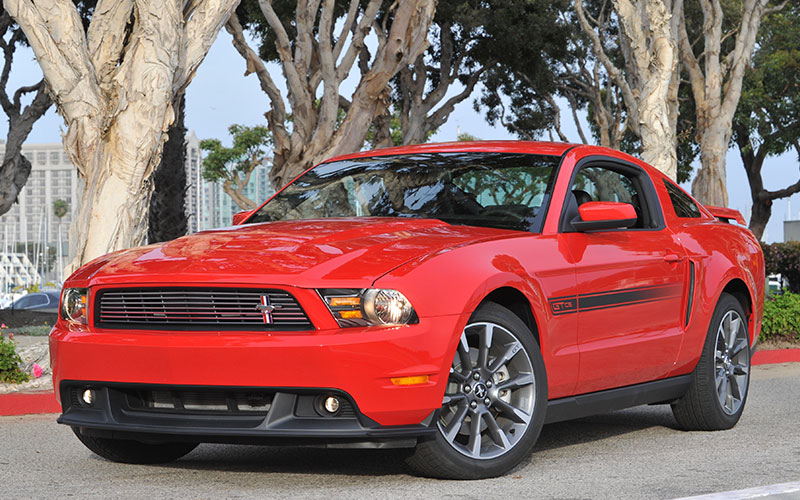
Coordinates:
<point>498,190</point>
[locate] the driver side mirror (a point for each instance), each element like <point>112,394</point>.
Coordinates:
<point>240,217</point>
<point>596,215</point>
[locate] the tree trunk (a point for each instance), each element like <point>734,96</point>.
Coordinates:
<point>16,168</point>
<point>114,85</point>
<point>710,184</point>
<point>167,218</point>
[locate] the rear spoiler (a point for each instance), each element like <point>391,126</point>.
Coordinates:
<point>726,214</point>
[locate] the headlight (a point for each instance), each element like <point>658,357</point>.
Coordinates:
<point>372,306</point>
<point>73,305</point>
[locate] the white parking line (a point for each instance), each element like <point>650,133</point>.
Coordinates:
<point>759,492</point>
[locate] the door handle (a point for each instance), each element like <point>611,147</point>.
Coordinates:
<point>672,258</point>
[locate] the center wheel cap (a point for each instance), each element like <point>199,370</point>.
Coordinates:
<point>480,390</point>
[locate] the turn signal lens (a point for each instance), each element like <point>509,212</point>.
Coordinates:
<point>418,379</point>
<point>73,305</point>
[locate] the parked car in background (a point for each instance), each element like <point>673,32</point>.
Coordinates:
<point>46,302</point>
<point>447,297</point>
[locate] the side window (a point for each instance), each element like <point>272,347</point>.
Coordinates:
<point>600,183</point>
<point>683,205</point>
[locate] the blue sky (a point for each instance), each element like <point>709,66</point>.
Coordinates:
<point>219,95</point>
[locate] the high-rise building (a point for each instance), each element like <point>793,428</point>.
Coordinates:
<point>194,183</point>
<point>53,177</point>
<point>218,207</point>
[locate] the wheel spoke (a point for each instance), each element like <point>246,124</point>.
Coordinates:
<point>485,343</point>
<point>729,397</point>
<point>456,377</point>
<point>735,325</point>
<point>740,369</point>
<point>718,355</point>
<point>455,423</point>
<point>498,436</point>
<point>474,443</point>
<point>511,350</point>
<point>451,399</point>
<point>739,347</point>
<point>512,412</point>
<point>517,382</point>
<point>463,354</point>
<point>734,387</point>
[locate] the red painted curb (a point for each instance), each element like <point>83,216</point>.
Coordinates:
<point>23,403</point>
<point>776,356</point>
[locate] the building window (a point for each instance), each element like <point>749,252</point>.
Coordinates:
<point>41,158</point>
<point>54,156</point>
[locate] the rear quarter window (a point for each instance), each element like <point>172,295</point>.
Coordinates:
<point>684,206</point>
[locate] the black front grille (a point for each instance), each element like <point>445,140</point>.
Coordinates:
<point>198,309</point>
<point>173,401</point>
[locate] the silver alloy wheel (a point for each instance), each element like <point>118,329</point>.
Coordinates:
<point>491,393</point>
<point>731,362</point>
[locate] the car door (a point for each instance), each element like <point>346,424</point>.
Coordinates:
<point>630,282</point>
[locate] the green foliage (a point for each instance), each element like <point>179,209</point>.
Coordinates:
<point>248,151</point>
<point>60,208</point>
<point>768,115</point>
<point>781,316</point>
<point>466,137</point>
<point>784,259</point>
<point>9,363</point>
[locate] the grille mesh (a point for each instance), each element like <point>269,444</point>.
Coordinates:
<point>197,309</point>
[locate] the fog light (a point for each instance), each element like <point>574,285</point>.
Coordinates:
<point>88,397</point>
<point>331,404</point>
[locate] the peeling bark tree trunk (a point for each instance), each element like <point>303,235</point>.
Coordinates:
<point>717,87</point>
<point>114,86</point>
<point>649,30</point>
<point>15,168</point>
<point>308,63</point>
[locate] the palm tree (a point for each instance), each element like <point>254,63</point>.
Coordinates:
<point>60,209</point>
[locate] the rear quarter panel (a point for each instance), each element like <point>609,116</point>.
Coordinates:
<point>722,253</point>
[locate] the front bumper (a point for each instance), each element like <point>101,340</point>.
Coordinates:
<point>285,416</point>
<point>356,362</point>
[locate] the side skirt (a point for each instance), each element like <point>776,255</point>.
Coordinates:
<point>584,405</point>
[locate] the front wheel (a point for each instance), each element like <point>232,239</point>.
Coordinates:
<point>134,452</point>
<point>494,403</point>
<point>716,397</point>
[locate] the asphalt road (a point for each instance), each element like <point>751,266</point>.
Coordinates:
<point>635,453</point>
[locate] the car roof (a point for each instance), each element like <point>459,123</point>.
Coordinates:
<point>529,147</point>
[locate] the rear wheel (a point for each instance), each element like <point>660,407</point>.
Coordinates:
<point>494,403</point>
<point>134,452</point>
<point>718,392</point>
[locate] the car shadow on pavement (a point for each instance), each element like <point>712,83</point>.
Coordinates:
<point>365,462</point>
<point>607,425</point>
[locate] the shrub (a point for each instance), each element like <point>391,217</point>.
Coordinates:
<point>9,363</point>
<point>784,259</point>
<point>781,316</point>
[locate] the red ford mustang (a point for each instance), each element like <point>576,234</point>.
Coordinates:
<point>447,297</point>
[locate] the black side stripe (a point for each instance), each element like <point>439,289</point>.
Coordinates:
<point>691,293</point>
<point>614,298</point>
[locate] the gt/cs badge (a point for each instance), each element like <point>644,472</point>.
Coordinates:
<point>563,305</point>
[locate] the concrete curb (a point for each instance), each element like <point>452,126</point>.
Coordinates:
<point>24,403</point>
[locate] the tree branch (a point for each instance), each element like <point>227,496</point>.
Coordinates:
<point>199,32</point>
<point>106,37</point>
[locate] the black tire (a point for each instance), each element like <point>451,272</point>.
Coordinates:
<point>134,452</point>
<point>701,407</point>
<point>439,458</point>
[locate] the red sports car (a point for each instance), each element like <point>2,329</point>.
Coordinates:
<point>447,297</point>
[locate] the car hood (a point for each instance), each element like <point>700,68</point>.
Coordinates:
<point>308,253</point>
